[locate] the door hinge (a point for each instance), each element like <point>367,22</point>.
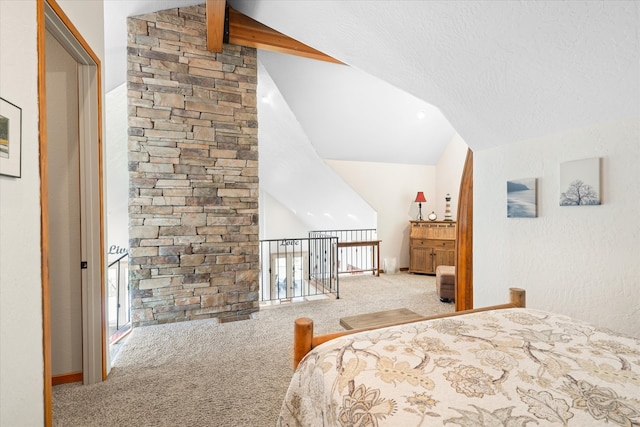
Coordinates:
<point>84,265</point>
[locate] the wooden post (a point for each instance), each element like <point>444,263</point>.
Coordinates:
<point>464,240</point>
<point>302,337</point>
<point>518,297</point>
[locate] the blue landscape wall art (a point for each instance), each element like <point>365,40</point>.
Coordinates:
<point>522,198</point>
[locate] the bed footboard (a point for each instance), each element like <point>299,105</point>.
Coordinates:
<point>304,341</point>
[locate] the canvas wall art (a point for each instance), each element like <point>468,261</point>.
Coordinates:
<point>10,138</point>
<point>580,182</point>
<point>522,198</point>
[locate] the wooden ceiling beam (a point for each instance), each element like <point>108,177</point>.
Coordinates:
<point>245,31</point>
<point>215,24</point>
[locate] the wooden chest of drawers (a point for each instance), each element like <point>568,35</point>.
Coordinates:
<point>433,243</point>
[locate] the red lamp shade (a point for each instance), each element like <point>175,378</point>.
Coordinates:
<point>420,197</point>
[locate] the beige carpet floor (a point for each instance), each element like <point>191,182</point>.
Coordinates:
<point>206,373</point>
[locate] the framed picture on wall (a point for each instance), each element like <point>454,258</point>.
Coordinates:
<point>522,198</point>
<point>580,182</point>
<point>10,138</point>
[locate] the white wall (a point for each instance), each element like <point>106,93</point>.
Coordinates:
<point>278,221</point>
<point>21,360</point>
<point>391,189</point>
<point>117,172</point>
<point>88,18</point>
<point>579,261</point>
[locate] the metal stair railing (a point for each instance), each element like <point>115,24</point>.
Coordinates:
<point>119,297</point>
<point>359,249</point>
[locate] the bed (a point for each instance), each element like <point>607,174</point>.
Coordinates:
<point>504,365</point>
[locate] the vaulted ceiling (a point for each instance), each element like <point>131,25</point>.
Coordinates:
<point>495,72</point>
<point>409,75</point>
<point>346,113</point>
<point>501,72</point>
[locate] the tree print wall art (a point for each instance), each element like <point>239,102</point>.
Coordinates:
<point>580,182</point>
<point>521,198</point>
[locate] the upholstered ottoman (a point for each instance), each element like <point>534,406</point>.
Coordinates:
<point>446,282</point>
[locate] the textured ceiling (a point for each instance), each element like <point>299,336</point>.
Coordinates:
<point>501,72</point>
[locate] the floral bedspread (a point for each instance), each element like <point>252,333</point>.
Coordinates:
<point>513,367</point>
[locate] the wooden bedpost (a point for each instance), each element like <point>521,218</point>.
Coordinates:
<point>518,297</point>
<point>302,337</point>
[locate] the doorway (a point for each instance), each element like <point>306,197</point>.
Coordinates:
<point>289,272</point>
<point>73,260</point>
<point>65,216</point>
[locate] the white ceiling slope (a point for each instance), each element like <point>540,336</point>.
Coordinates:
<point>292,172</point>
<point>501,72</point>
<point>350,115</point>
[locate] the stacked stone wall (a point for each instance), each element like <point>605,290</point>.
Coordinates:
<point>193,169</point>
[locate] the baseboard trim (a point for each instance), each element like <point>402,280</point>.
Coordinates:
<point>73,377</point>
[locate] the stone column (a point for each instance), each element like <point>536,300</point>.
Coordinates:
<point>193,168</point>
